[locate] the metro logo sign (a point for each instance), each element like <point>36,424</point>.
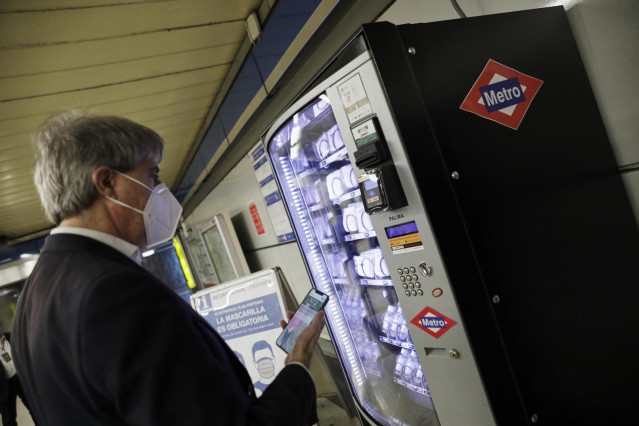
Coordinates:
<point>432,322</point>
<point>501,94</point>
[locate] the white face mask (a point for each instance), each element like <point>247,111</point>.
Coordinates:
<point>266,368</point>
<point>161,214</point>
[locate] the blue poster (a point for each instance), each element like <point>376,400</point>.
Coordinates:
<point>246,312</point>
<point>246,318</point>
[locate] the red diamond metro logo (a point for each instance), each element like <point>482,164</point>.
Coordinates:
<point>432,322</point>
<point>501,94</point>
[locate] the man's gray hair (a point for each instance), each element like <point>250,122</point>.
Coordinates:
<point>70,146</point>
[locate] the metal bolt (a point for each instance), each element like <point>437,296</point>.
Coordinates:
<point>496,299</point>
<point>455,175</point>
<point>453,353</point>
<point>534,418</point>
<point>411,50</point>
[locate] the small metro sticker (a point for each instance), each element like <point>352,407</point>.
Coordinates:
<point>432,322</point>
<point>501,94</point>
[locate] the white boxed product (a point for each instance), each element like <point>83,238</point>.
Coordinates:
<point>335,185</point>
<point>364,222</point>
<point>364,266</point>
<point>335,138</point>
<point>349,218</point>
<point>348,176</point>
<point>322,146</point>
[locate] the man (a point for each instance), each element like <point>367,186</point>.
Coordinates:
<point>100,341</point>
<point>10,387</point>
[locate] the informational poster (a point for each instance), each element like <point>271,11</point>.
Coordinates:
<point>246,312</point>
<point>271,194</point>
<point>354,99</point>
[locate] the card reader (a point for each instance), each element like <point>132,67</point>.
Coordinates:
<point>381,189</point>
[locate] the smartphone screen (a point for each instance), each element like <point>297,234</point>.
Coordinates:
<point>313,302</point>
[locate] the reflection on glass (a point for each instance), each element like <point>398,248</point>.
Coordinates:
<point>9,295</point>
<point>201,261</point>
<point>165,265</point>
<point>217,250</point>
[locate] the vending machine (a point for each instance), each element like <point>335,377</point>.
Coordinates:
<point>215,251</point>
<point>452,188</point>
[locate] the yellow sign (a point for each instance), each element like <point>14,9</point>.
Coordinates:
<point>183,262</point>
<point>404,242</point>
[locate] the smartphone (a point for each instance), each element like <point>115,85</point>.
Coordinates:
<point>313,302</point>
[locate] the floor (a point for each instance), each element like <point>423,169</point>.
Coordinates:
<point>329,413</point>
<point>24,418</point>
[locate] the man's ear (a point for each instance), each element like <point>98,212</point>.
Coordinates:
<point>103,180</point>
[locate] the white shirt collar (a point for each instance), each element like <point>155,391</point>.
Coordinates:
<point>124,247</point>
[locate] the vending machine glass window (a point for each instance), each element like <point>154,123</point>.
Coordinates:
<point>163,262</point>
<point>201,261</point>
<point>223,248</point>
<point>221,260</point>
<point>345,261</point>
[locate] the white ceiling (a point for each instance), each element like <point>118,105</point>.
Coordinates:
<point>160,63</point>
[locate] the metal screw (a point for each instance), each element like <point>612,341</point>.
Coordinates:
<point>496,299</point>
<point>455,175</point>
<point>534,418</point>
<point>453,353</point>
<point>411,50</point>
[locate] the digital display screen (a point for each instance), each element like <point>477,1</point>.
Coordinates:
<point>371,189</point>
<point>401,230</point>
<point>371,185</point>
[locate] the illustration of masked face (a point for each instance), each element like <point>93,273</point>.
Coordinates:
<point>265,363</point>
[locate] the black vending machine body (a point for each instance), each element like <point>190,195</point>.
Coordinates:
<point>533,222</point>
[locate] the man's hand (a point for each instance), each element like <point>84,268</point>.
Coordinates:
<point>305,344</point>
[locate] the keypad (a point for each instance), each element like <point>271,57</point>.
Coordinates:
<point>410,280</point>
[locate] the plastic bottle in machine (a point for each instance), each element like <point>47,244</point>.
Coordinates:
<point>411,367</point>
<point>346,307</point>
<point>371,354</point>
<point>402,331</point>
<point>400,363</point>
<point>418,378</point>
<point>387,319</point>
<point>398,320</point>
<point>376,355</point>
<point>361,314</point>
<point>350,307</point>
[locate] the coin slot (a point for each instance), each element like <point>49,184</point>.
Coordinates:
<point>436,352</point>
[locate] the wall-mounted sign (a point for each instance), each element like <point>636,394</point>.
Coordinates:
<point>271,194</point>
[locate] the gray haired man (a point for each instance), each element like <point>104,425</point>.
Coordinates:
<point>99,340</point>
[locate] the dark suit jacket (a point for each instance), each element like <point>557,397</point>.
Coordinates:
<point>4,381</point>
<point>99,341</point>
